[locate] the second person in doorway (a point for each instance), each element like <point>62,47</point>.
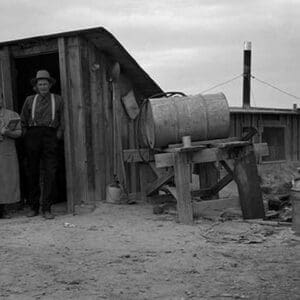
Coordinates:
<point>42,125</point>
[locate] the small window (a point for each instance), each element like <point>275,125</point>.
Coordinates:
<point>274,137</point>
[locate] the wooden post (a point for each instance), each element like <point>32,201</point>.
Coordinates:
<point>6,76</point>
<point>75,136</point>
<point>247,75</point>
<point>87,105</point>
<point>97,116</point>
<point>68,141</point>
<point>182,181</point>
<point>246,177</point>
<point>146,175</point>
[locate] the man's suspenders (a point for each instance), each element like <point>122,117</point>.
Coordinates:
<point>34,106</point>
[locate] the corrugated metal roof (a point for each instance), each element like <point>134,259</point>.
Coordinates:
<point>107,43</point>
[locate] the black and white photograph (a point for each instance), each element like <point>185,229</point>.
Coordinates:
<point>149,149</point>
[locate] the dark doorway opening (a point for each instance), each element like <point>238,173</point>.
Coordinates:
<point>25,69</point>
<point>274,137</point>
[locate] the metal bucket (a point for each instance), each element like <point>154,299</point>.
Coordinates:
<point>113,194</point>
<point>168,119</point>
<point>295,198</point>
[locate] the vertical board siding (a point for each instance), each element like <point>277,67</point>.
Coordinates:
<point>107,109</point>
<point>295,138</point>
<point>1,75</point>
<point>238,124</point>
<point>288,138</point>
<point>86,89</point>
<point>68,117</point>
<point>77,127</point>
<point>123,88</point>
<point>97,122</point>
<point>298,138</point>
<point>6,76</point>
<point>102,133</point>
<point>128,135</point>
<point>121,135</point>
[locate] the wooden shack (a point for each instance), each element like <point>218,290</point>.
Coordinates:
<point>81,61</point>
<point>279,128</point>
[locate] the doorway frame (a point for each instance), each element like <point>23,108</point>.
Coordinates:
<point>74,72</point>
<point>8,79</point>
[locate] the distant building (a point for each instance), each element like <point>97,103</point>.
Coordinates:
<point>280,128</point>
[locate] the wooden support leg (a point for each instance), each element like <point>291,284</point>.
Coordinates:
<point>246,177</point>
<point>154,186</point>
<point>214,190</point>
<point>225,180</point>
<point>182,181</point>
<point>146,176</point>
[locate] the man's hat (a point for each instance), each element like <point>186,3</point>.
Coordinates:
<point>42,74</point>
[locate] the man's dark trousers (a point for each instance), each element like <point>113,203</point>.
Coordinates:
<point>41,146</point>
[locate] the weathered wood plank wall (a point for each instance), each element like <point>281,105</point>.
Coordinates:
<point>128,132</point>
<point>98,122</point>
<point>75,136</point>
<point>88,125</point>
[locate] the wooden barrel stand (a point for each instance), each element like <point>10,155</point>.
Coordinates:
<point>178,161</point>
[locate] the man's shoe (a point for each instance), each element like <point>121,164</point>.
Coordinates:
<point>47,215</point>
<point>32,213</point>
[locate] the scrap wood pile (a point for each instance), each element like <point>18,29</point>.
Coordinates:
<point>276,184</point>
<point>276,189</point>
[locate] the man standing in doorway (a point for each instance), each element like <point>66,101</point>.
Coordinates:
<point>42,125</point>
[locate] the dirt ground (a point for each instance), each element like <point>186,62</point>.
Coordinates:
<point>127,252</point>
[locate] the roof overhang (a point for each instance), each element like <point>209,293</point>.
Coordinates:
<point>108,44</point>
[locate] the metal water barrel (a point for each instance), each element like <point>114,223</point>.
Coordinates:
<point>168,119</point>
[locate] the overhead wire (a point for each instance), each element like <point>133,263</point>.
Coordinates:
<point>222,83</point>
<point>257,79</point>
<point>274,87</point>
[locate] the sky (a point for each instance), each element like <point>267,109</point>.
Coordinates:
<point>184,45</point>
